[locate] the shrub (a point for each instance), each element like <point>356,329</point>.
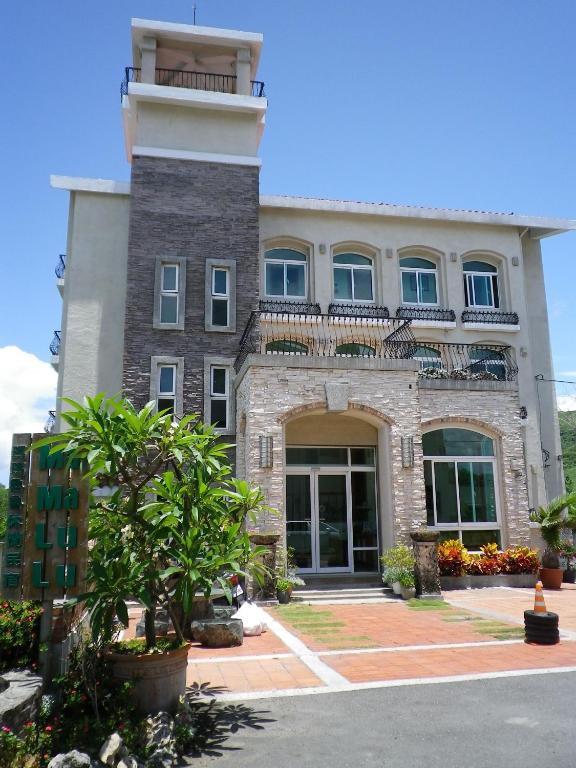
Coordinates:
<point>453,558</point>
<point>519,560</point>
<point>483,565</point>
<point>406,579</point>
<point>397,561</point>
<point>19,625</point>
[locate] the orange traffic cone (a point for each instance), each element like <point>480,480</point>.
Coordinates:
<point>539,604</point>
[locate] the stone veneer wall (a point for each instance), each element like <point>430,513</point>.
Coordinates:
<point>499,412</point>
<point>269,396</point>
<point>197,211</point>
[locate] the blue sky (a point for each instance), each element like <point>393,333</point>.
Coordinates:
<point>430,102</point>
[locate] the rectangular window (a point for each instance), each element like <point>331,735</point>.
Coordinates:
<point>220,297</point>
<point>419,287</point>
<point>482,291</point>
<point>219,397</point>
<point>169,280</point>
<point>166,388</point>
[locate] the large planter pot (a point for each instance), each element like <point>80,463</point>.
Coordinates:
<point>454,582</point>
<point>516,580</point>
<point>569,576</point>
<point>408,592</point>
<point>396,587</point>
<point>159,678</point>
<point>283,596</point>
<point>551,578</point>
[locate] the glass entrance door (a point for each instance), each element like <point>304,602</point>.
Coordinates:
<point>333,524</point>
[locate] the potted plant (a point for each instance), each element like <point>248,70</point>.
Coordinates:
<point>172,527</point>
<point>559,514</point>
<point>568,561</point>
<point>407,584</point>
<point>283,590</point>
<point>397,561</point>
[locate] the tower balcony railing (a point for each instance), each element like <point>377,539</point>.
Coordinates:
<point>182,78</point>
<point>60,268</point>
<point>436,314</point>
<point>491,316</point>
<point>55,344</point>
<point>291,333</point>
<point>50,422</point>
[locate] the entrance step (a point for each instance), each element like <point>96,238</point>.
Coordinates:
<point>343,594</point>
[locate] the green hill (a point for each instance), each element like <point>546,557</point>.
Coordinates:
<point>567,421</point>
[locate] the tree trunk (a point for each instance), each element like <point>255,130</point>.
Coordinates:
<point>150,626</point>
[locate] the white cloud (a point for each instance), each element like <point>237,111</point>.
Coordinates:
<point>27,391</point>
<point>566,402</point>
<point>568,374</point>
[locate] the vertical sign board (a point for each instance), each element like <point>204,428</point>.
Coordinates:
<point>48,508</point>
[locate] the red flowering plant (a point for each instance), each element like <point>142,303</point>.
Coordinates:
<point>31,748</point>
<point>453,558</point>
<point>519,560</point>
<point>19,625</point>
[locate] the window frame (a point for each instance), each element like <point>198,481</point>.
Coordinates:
<point>459,526</point>
<point>160,292</point>
<point>295,262</point>
<point>216,296</point>
<point>436,361</point>
<point>492,279</point>
<point>157,362</point>
<point>418,271</point>
<point>228,265</point>
<point>226,363</point>
<point>351,268</point>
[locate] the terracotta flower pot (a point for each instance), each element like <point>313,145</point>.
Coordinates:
<point>159,678</point>
<point>551,578</point>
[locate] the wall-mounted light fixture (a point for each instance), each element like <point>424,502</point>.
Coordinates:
<point>407,452</point>
<point>266,451</point>
<point>523,412</point>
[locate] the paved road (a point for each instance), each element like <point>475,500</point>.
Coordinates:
<point>514,722</point>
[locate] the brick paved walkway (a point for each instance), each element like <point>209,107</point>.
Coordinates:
<point>339,647</point>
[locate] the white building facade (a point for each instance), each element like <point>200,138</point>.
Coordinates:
<point>378,367</point>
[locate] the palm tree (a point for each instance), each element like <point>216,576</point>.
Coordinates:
<point>552,520</point>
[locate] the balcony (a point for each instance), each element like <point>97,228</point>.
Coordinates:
<point>464,362</point>
<point>50,422</point>
<point>427,314</point>
<point>55,349</point>
<point>359,310</point>
<point>59,271</point>
<point>474,317</point>
<point>181,78</point>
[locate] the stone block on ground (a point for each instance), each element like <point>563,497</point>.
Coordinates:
<point>73,759</point>
<point>218,633</point>
<point>20,694</point>
<point>112,749</point>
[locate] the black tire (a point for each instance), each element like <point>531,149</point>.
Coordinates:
<point>532,619</point>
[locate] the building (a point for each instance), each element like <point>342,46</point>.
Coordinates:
<point>377,366</point>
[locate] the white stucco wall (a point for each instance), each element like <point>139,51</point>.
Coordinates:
<point>94,296</point>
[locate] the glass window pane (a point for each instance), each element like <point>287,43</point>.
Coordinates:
<point>427,288</point>
<point>168,309</point>
<point>218,381</point>
<point>220,312</point>
<point>430,519</point>
<point>416,263</point>
<point>332,522</point>
<point>478,266</point>
<point>166,404</point>
<point>482,291</point>
<point>477,494</point>
<point>285,254</point>
<point>299,519</point>
<point>365,560</point>
<point>363,284</point>
<point>295,280</point>
<point>343,284</point>
<point>495,291</point>
<point>275,279</point>
<point>287,347</point>
<point>409,289</point>
<point>362,457</point>
<point>169,277</point>
<point>456,442</point>
<point>357,350</point>
<point>475,539</point>
<point>306,457</point>
<point>221,281</point>
<point>166,380</point>
<point>352,258</point>
<point>446,502</point>
<point>364,521</point>
<point>218,415</point>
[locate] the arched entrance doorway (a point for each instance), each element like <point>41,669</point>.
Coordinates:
<point>331,501</point>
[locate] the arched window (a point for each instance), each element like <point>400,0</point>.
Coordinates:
<point>460,482</point>
<point>353,277</point>
<point>287,347</point>
<point>428,357</point>
<point>418,281</point>
<point>354,349</point>
<point>285,273</point>
<point>481,284</point>
<point>489,361</point>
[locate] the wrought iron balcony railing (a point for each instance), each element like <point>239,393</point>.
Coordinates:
<point>465,362</point>
<point>60,268</point>
<point>50,422</point>
<point>358,310</point>
<point>426,313</point>
<point>494,316</point>
<point>55,343</point>
<point>287,333</point>
<point>289,307</point>
<point>182,78</point>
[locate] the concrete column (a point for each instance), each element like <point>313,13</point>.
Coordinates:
<point>243,85</point>
<point>425,545</point>
<point>148,56</point>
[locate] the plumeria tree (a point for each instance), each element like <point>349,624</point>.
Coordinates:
<point>175,523</point>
